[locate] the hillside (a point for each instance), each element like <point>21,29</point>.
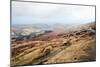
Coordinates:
<point>61,45</point>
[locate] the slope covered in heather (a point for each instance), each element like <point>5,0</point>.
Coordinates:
<point>61,45</point>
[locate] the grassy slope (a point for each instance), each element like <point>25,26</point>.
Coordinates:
<point>78,48</point>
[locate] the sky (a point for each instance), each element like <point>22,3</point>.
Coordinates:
<point>43,13</point>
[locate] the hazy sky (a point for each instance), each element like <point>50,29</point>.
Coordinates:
<point>30,13</point>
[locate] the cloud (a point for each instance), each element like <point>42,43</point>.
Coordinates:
<point>51,12</point>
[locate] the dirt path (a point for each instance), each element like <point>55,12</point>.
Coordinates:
<point>52,54</point>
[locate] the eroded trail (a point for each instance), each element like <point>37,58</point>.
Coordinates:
<point>50,55</point>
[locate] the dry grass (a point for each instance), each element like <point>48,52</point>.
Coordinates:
<point>75,46</point>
